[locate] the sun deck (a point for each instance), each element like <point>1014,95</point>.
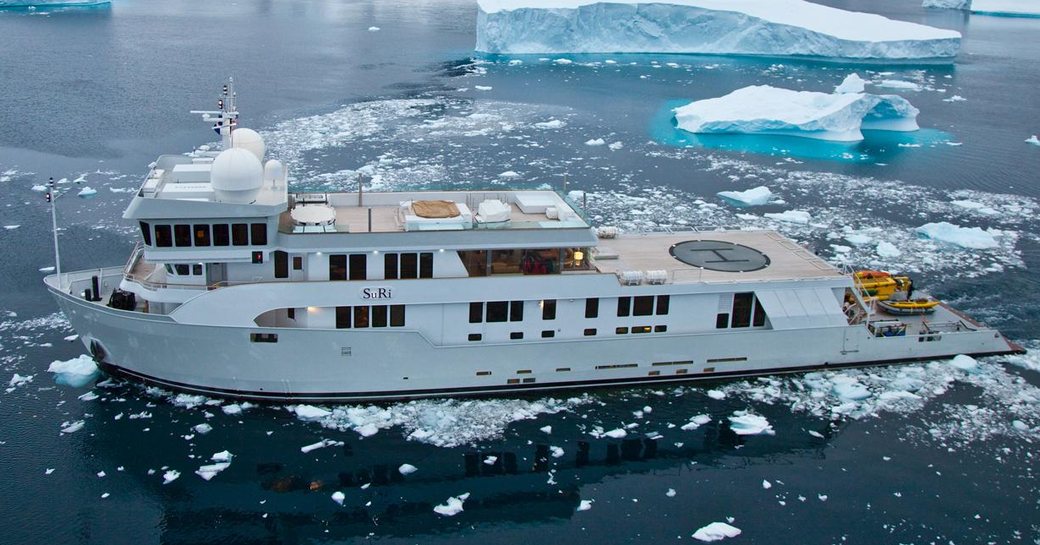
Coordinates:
<point>784,259</point>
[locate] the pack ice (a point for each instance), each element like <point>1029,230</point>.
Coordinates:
<point>763,109</point>
<point>744,27</point>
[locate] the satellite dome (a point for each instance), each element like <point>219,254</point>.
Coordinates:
<point>236,176</point>
<point>274,173</point>
<point>248,139</point>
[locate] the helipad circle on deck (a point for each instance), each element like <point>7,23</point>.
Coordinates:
<point>717,255</point>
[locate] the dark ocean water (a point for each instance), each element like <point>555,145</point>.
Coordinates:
<point>93,95</point>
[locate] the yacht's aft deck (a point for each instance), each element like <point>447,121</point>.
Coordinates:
<point>649,252</point>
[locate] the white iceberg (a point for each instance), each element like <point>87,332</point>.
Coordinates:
<point>452,507</point>
<point>745,423</point>
<point>1033,140</point>
<point>887,249</point>
<point>763,109</point>
<point>899,84</point>
<point>207,472</point>
<point>744,27</point>
<point>800,217</point>
<point>407,469</point>
<point>716,531</point>
<point>851,84</point>
<point>310,412</point>
<point>77,372</point>
<point>755,196</point>
<point>1008,8</point>
<point>948,4</point>
<point>965,237</point>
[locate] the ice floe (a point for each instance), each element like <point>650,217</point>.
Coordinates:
<point>755,196</point>
<point>763,109</point>
<point>745,27</point>
<point>451,507</point>
<point>965,237</point>
<point>716,531</point>
<point>1033,140</point>
<point>747,423</point>
<point>851,84</point>
<point>790,216</point>
<point>77,372</point>
<point>170,476</point>
<point>310,412</point>
<point>209,471</point>
<point>339,497</point>
<point>584,505</point>
<point>407,469</point>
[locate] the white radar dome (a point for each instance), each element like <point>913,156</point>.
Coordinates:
<point>274,174</point>
<point>237,176</point>
<point>251,140</point>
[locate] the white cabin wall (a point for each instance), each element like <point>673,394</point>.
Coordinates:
<point>317,265</point>
<point>448,265</point>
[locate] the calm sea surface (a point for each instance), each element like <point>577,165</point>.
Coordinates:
<point>929,454</point>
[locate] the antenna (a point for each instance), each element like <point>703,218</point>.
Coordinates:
<point>52,196</point>
<point>225,117</point>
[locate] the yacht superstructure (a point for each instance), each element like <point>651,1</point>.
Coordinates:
<point>241,287</point>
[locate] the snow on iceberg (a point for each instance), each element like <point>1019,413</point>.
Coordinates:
<point>77,372</point>
<point>763,109</point>
<point>755,196</point>
<point>965,237</point>
<point>716,531</point>
<point>745,27</point>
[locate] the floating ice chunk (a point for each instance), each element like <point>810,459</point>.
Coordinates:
<point>89,396</point>
<point>338,497</point>
<point>72,427</point>
<point>595,142</point>
<point>77,372</point>
<point>584,505</point>
<point>716,531</point>
<point>556,452</point>
<point>509,174</point>
<point>800,217</point>
<point>898,84</point>
<point>490,460</point>
<point>222,456</point>
<point>170,476</point>
<point>857,239</point>
<point>955,98</point>
<point>232,409</point>
<point>11,227</point>
<point>39,188</point>
<point>887,249</point>
<point>948,4</point>
<point>851,84</point>
<point>696,422</point>
<point>551,124</point>
<point>87,191</point>
<point>46,269</point>
<point>747,27</point>
<point>452,507</point>
<point>763,109</point>
<point>1033,140</point>
<point>320,444</point>
<point>407,469</point>
<point>373,29</point>
<point>755,196</point>
<point>310,412</point>
<point>48,471</point>
<point>483,87</point>
<point>965,237</point>
<point>207,472</point>
<point>975,207</point>
<point>545,429</point>
<point>849,389</point>
<point>745,423</point>
<point>670,493</point>
<point>203,428</point>
<point>618,433</point>
<point>716,394</point>
<point>367,430</point>
<point>614,146</point>
<point>964,363</point>
<point>18,380</point>
<point>766,484</point>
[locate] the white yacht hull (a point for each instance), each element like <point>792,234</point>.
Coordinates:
<point>372,364</point>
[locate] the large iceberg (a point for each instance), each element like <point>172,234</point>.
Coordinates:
<point>744,27</point>
<point>1010,8</point>
<point>762,109</point>
<point>49,3</point>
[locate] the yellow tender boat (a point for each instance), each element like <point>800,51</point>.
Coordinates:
<point>880,284</point>
<point>913,306</point>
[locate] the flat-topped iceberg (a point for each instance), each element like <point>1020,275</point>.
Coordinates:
<point>1009,8</point>
<point>762,109</point>
<point>742,27</point>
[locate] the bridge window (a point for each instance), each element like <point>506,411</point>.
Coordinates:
<point>163,236</point>
<point>426,265</point>
<point>202,235</point>
<point>662,304</point>
<point>624,306</point>
<point>240,234</point>
<point>742,303</point>
<point>182,235</point>
<point>220,235</point>
<point>259,234</point>
<point>146,233</point>
<point>644,306</point>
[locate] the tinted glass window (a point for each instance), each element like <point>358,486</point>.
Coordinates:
<point>516,311</point>
<point>259,234</point>
<point>337,267</point>
<point>196,269</point>
<point>240,234</point>
<point>202,235</point>
<point>360,316</point>
<point>342,317</point>
<point>297,263</point>
<point>396,315</point>
<point>662,304</point>
<point>390,266</point>
<point>220,235</point>
<point>549,309</point>
<point>409,266</point>
<point>760,314</point>
<point>146,233</point>
<point>163,236</point>
<point>623,306</point>
<point>644,306</point>
<point>742,309</point>
<point>592,307</point>
<point>497,310</point>
<point>281,264</point>
<point>379,316</point>
<point>426,265</point>
<point>722,321</point>
<point>358,266</point>
<point>182,235</point>
<point>476,313</point>
<point>182,269</point>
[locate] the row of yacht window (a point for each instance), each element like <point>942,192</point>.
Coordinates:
<point>184,235</point>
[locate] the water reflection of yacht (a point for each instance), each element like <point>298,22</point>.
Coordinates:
<point>240,287</point>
